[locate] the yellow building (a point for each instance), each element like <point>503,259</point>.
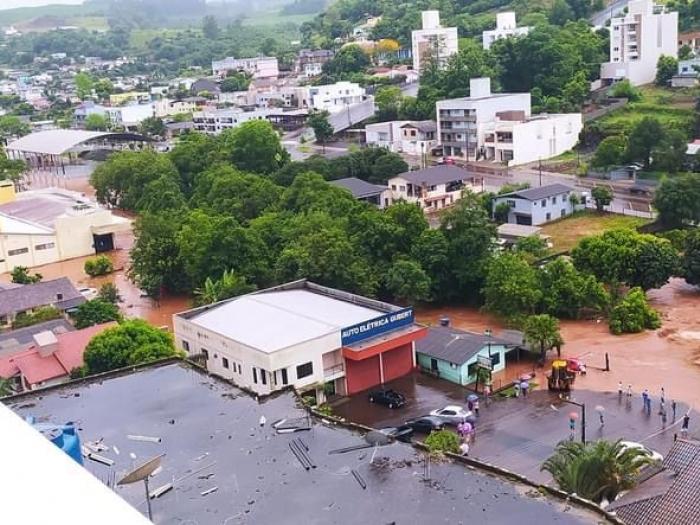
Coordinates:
<point>117,99</point>
<point>7,191</point>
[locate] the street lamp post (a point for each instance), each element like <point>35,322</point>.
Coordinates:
<point>582,406</point>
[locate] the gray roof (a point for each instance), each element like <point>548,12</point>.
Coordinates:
<point>454,345</point>
<point>22,337</point>
<point>669,496</point>
<point>59,141</point>
<point>358,187</point>
<point>426,126</point>
<point>534,194</point>
<point>436,175</point>
<point>40,294</point>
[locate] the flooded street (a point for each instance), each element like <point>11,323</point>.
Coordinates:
<point>133,304</point>
<point>669,357</point>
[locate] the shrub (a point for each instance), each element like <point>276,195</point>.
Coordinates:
<point>100,265</point>
<point>442,441</point>
<point>21,275</point>
<point>624,89</point>
<point>40,315</point>
<point>633,314</point>
<point>95,312</point>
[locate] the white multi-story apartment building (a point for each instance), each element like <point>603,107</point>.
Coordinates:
<point>535,206</point>
<point>403,136</point>
<point>214,121</point>
<point>505,27</point>
<point>637,40</point>
<point>433,43</point>
<point>259,67</point>
<point>333,97</point>
<point>500,127</point>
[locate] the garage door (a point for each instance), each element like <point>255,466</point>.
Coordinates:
<point>361,375</point>
<point>397,362</point>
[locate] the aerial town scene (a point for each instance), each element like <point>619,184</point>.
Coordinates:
<point>350,262</point>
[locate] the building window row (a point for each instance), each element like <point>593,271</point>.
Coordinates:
<point>45,246</point>
<point>305,370</point>
<point>18,251</point>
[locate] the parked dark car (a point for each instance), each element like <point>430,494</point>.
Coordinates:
<point>425,424</point>
<point>389,398</point>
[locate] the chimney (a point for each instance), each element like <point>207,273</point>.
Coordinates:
<point>479,87</point>
<point>46,343</point>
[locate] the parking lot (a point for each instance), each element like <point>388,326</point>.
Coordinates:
<point>519,434</point>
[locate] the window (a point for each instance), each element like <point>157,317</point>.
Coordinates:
<point>402,188</point>
<point>224,362</point>
<point>510,203</point>
<point>554,200</point>
<point>18,251</point>
<point>495,359</point>
<point>471,370</point>
<point>563,212</point>
<point>544,202</point>
<point>263,376</point>
<point>549,216</point>
<point>205,353</point>
<point>305,370</point>
<point>255,375</point>
<point>285,380</point>
<point>186,346</point>
<point>393,187</point>
<point>46,246</point>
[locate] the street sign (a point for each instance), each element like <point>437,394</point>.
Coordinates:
<point>484,361</point>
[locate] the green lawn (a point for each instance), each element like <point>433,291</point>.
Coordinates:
<point>565,233</point>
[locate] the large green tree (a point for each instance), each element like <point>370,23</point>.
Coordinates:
<point>350,59</point>
<point>633,314</point>
<point>598,470</point>
<point>678,200</point>
<point>254,146</point>
<point>408,282</point>
<point>323,130</point>
<point>567,292</point>
<point>691,257</point>
<point>542,331</point>
<point>229,285</point>
<point>131,343</point>
<point>511,287</point>
<point>666,67</point>
<point>95,312</point>
<point>645,135</point>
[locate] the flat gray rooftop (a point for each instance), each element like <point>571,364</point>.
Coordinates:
<point>210,433</point>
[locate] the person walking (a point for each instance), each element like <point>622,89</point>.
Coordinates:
<point>476,407</point>
<point>487,393</point>
<point>602,420</point>
<point>685,425</point>
<point>516,389</point>
<point>663,419</point>
<point>663,394</point>
<point>572,428</point>
<point>662,407</point>
<point>629,390</point>
<point>673,410</point>
<point>470,405</point>
<point>524,386</point>
<point>619,391</point>
<point>645,399</point>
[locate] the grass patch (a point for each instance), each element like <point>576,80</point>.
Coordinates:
<point>90,23</point>
<point>272,18</point>
<point>567,232</point>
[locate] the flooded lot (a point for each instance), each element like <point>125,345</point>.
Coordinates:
<point>211,436</point>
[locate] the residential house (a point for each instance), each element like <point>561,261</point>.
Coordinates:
<point>50,358</point>
<point>387,135</point>
<point>214,121</point>
<point>506,27</point>
<point>690,39</point>
<point>665,493</point>
<point>302,335</point>
<point>500,127</point>
<point>535,206</point>
<point>403,136</point>
<point>335,97</point>
<point>433,43</point>
<point>637,40</point>
<point>167,108</point>
<point>117,99</point>
<point>205,85</point>
<point>310,61</point>
<point>457,355</point>
<point>687,75</point>
<point>509,234</point>
<point>433,188</point>
<point>26,298</point>
<point>257,67</point>
<point>364,191</point>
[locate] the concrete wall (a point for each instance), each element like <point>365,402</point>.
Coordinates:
<point>460,374</point>
<point>34,256</point>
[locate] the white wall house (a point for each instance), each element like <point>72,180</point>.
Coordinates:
<point>403,136</point>
<point>506,26</point>
<point>501,128</point>
<point>433,188</point>
<point>637,40</point>
<point>687,75</point>
<point>258,67</point>
<point>535,206</point>
<point>166,107</point>
<point>214,121</point>
<point>130,116</point>
<point>332,97</point>
<point>433,42</point>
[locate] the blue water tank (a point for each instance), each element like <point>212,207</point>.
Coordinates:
<point>64,437</point>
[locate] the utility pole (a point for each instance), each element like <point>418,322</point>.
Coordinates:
<point>540,171</point>
<point>582,406</point>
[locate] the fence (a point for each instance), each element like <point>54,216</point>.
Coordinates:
<point>616,103</point>
<point>625,210</point>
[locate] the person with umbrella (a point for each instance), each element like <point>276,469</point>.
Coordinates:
<point>473,403</point>
<point>601,409</point>
<point>573,416</point>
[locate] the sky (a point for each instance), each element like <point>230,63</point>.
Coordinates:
<point>9,4</point>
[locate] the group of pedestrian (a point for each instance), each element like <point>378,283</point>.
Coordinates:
<point>646,406</point>
<point>467,435</point>
<point>520,387</point>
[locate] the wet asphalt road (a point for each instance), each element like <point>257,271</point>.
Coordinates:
<point>211,436</point>
<point>519,434</point>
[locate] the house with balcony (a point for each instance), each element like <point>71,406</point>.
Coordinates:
<point>535,206</point>
<point>637,40</point>
<point>302,335</point>
<point>403,136</point>
<point>433,188</point>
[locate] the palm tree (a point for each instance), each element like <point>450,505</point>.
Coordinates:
<point>597,470</point>
<point>5,387</point>
<point>230,285</point>
<point>543,331</point>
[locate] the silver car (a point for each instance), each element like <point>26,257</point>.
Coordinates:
<point>452,414</point>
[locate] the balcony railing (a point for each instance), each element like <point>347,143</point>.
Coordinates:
<point>334,370</point>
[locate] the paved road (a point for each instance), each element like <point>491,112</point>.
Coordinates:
<point>601,17</point>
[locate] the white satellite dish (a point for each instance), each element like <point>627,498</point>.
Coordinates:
<point>142,473</point>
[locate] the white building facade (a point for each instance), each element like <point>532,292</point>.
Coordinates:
<point>535,206</point>
<point>506,26</point>
<point>637,40</point>
<point>433,188</point>
<point>403,136</point>
<point>259,67</point>
<point>333,97</point>
<point>433,42</point>
<point>214,121</point>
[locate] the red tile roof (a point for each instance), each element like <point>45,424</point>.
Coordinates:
<point>68,355</point>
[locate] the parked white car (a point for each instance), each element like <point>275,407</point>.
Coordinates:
<point>88,293</point>
<point>452,414</point>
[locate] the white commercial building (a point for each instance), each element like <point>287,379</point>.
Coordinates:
<point>535,206</point>
<point>505,27</point>
<point>214,121</point>
<point>301,335</point>
<point>333,97</point>
<point>166,107</point>
<point>637,40</point>
<point>433,43</point>
<point>433,188</point>
<point>129,117</point>
<point>501,128</point>
<point>259,67</point>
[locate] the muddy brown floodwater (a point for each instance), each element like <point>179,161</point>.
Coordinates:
<point>668,357</point>
<point>133,304</point>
